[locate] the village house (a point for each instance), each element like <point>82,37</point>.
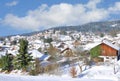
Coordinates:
<point>108,50</point>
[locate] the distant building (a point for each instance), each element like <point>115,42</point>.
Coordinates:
<point>37,54</point>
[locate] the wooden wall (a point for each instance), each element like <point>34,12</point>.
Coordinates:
<point>107,50</point>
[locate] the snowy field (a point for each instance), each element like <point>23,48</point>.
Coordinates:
<point>100,72</point>
<point>96,73</point>
<point>5,77</point>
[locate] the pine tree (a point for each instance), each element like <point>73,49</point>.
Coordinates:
<point>48,40</point>
<point>23,59</point>
<point>6,62</point>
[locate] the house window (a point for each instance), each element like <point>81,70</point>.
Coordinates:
<point>107,57</point>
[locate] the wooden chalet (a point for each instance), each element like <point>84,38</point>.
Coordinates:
<point>108,49</point>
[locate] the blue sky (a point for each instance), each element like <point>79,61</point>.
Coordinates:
<point>23,16</point>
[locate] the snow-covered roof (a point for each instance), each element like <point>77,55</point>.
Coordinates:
<point>45,57</point>
<point>5,46</point>
<point>45,63</point>
<point>92,45</point>
<point>37,54</point>
<point>110,44</point>
<point>65,37</point>
<point>38,41</point>
<point>13,52</point>
<point>2,53</point>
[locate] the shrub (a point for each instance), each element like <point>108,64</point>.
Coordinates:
<point>73,72</point>
<point>6,62</point>
<point>51,68</point>
<point>36,68</point>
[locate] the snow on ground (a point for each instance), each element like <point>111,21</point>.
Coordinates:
<point>7,77</point>
<point>100,72</point>
<point>103,72</point>
<point>95,73</point>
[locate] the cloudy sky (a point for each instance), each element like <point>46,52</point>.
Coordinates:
<point>22,16</point>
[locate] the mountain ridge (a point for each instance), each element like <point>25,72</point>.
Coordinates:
<point>103,26</point>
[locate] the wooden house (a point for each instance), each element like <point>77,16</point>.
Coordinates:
<point>67,52</point>
<point>108,49</point>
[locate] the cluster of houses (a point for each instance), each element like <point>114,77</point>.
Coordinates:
<point>70,41</point>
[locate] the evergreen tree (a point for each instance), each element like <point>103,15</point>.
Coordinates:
<point>48,40</point>
<point>102,35</point>
<point>6,62</point>
<point>23,59</point>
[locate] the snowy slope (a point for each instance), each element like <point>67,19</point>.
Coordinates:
<point>5,77</point>
<point>100,72</point>
<point>96,73</point>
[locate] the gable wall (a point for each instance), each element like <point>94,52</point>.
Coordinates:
<point>107,50</point>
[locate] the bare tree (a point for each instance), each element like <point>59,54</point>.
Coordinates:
<point>73,72</point>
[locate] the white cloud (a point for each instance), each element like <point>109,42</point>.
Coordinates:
<point>21,23</point>
<point>13,3</point>
<point>56,15</point>
<point>92,4</point>
<point>115,9</point>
